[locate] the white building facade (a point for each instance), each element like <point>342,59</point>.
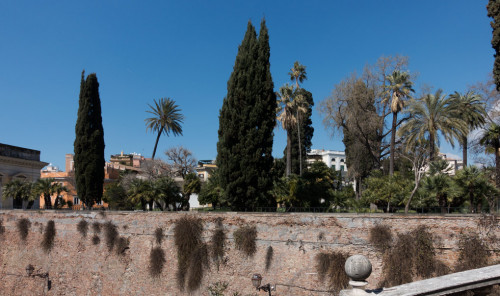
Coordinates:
<point>332,158</point>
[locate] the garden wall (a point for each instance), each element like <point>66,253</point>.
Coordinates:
<point>77,266</point>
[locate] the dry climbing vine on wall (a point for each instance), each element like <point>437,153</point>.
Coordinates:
<point>192,254</point>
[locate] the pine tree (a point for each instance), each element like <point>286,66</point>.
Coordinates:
<point>494,12</point>
<point>246,123</point>
<point>306,132</point>
<point>89,143</point>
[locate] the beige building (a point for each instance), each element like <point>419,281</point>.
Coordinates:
<point>21,164</point>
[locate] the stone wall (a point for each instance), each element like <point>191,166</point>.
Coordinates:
<point>78,267</point>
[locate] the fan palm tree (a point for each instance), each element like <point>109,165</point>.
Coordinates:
<point>166,119</point>
<point>400,87</point>
<point>45,187</point>
<point>287,120</point>
<point>20,190</point>
<point>432,114</point>
<point>471,109</point>
<point>491,140</point>
<point>474,185</point>
<point>58,189</point>
<point>140,192</point>
<point>298,73</point>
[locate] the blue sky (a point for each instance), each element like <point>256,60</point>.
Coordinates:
<point>185,50</point>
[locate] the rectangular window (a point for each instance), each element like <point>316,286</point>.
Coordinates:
<point>76,200</point>
<point>342,168</point>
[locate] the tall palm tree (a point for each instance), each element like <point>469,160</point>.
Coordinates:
<point>298,73</point>
<point>400,87</point>
<point>287,120</point>
<point>45,187</point>
<point>471,108</point>
<point>432,114</point>
<point>491,140</point>
<point>166,119</point>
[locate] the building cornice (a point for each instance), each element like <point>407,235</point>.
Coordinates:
<point>33,164</point>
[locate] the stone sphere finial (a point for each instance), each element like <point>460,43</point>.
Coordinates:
<point>358,267</point>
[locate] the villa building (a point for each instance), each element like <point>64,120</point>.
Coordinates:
<point>332,158</point>
<point>17,163</point>
<point>205,168</point>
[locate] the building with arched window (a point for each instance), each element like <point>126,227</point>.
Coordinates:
<point>17,163</point>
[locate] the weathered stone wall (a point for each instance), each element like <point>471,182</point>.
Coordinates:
<point>78,267</point>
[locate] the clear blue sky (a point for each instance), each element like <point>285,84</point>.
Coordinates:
<point>185,50</point>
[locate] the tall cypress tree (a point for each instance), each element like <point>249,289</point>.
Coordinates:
<point>306,134</point>
<point>246,123</point>
<point>493,8</point>
<point>89,143</point>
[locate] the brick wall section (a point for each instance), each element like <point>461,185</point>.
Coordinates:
<point>77,267</point>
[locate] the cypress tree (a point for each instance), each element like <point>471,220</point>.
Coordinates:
<point>246,123</point>
<point>89,143</point>
<point>494,12</point>
<point>306,134</point>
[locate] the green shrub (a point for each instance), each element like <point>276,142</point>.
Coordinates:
<point>473,252</point>
<point>217,288</point>
<point>83,227</point>
<point>331,266</point>
<point>49,236</point>
<point>156,262</point>
<point>244,239</point>
<point>23,226</point>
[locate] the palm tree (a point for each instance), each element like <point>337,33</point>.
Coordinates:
<point>300,105</point>
<point>471,109</point>
<point>58,189</point>
<point>298,73</point>
<point>20,191</point>
<point>167,118</point>
<point>491,139</point>
<point>429,115</point>
<point>45,188</point>
<point>287,119</point>
<point>400,87</point>
<point>140,192</point>
<point>474,185</point>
